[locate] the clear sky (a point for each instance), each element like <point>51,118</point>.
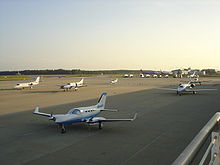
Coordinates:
<point>109,34</point>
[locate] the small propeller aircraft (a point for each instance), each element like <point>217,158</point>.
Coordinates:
<point>73,85</point>
<point>114,81</point>
<point>83,114</point>
<point>189,87</point>
<point>27,85</point>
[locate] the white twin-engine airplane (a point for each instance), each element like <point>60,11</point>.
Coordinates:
<point>114,81</point>
<point>83,114</point>
<point>27,85</point>
<point>189,87</point>
<point>73,85</point>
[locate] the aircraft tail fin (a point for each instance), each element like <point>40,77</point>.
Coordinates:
<point>37,80</point>
<point>101,102</point>
<point>141,71</point>
<point>82,80</point>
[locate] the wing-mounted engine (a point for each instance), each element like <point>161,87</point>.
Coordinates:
<point>192,85</point>
<point>96,120</point>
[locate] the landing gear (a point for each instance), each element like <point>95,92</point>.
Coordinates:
<point>100,125</point>
<point>63,130</point>
<point>178,93</point>
<point>194,92</point>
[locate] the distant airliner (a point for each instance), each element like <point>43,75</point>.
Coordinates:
<point>83,114</point>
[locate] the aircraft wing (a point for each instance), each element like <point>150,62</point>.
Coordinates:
<point>37,112</point>
<point>198,90</point>
<point>102,119</point>
<point>168,89</point>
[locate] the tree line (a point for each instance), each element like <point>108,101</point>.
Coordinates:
<point>62,71</point>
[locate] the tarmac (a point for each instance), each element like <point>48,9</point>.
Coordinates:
<point>165,125</point>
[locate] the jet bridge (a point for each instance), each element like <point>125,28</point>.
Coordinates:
<point>204,148</point>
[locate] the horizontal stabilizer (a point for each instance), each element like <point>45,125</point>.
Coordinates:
<point>110,110</point>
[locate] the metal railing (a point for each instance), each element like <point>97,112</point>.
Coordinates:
<point>189,153</point>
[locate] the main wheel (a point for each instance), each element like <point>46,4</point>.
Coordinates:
<point>63,130</point>
<point>100,125</point>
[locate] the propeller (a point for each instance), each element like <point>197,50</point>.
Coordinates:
<point>52,117</point>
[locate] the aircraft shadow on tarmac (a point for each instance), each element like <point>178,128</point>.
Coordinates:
<point>43,91</point>
<point>6,89</point>
<point>184,94</point>
<point>79,128</point>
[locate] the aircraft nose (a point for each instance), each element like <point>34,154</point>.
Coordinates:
<point>52,118</point>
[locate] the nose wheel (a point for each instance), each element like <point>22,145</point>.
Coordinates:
<point>63,129</point>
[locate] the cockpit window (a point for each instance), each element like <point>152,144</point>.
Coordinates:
<point>18,84</point>
<point>181,86</point>
<point>68,83</point>
<point>75,111</point>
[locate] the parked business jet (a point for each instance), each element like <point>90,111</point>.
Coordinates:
<point>83,114</point>
<point>193,75</point>
<point>73,85</point>
<point>114,81</point>
<point>27,85</point>
<point>189,87</point>
<point>195,81</point>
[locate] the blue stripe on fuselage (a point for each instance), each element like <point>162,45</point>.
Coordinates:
<point>78,120</point>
